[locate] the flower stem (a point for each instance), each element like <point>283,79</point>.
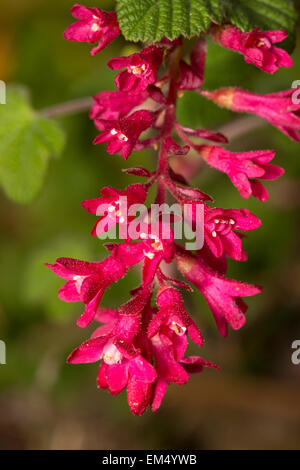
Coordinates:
<point>80,105</point>
<point>170,114</point>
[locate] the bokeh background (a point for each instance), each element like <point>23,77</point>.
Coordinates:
<point>254,401</point>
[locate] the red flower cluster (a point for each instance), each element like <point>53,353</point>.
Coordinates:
<point>141,345</point>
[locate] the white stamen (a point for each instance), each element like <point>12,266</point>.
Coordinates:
<point>95,27</point>
<point>111,354</point>
<point>78,282</point>
<point>149,254</point>
<point>157,245</point>
<point>121,220</point>
<point>214,234</point>
<point>137,70</point>
<point>123,137</point>
<point>179,330</point>
<point>113,131</point>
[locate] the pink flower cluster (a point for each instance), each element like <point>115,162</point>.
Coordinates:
<point>142,344</point>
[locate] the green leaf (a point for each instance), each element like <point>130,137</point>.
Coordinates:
<point>27,140</point>
<point>151,20</point>
<point>144,20</point>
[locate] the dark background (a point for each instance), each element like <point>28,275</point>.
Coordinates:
<point>254,401</point>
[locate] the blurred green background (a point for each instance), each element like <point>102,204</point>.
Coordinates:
<point>254,401</point>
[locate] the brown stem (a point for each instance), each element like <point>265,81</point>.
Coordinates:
<point>80,105</point>
<point>239,127</point>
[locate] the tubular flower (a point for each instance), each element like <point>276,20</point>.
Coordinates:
<point>277,108</point>
<point>123,364</point>
<point>156,244</point>
<point>113,206</point>
<point>256,46</point>
<point>192,76</point>
<point>113,105</point>
<point>122,135</point>
<point>172,315</point>
<point>86,282</point>
<point>118,369</point>
<point>222,230</point>
<point>222,295</point>
<point>141,69</point>
<point>94,25</point>
<point>244,168</point>
<point>167,331</point>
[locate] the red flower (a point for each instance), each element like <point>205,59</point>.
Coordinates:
<point>244,168</point>
<point>256,46</point>
<point>222,295</point>
<point>123,364</point>
<point>141,69</point>
<point>86,282</point>
<point>167,331</point>
<point>220,227</point>
<point>95,25</point>
<point>113,206</point>
<point>277,108</point>
<point>192,76</point>
<point>122,135</point>
<point>156,244</point>
<point>173,316</point>
<point>114,105</point>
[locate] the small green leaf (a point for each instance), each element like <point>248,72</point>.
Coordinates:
<point>151,20</point>
<point>27,140</point>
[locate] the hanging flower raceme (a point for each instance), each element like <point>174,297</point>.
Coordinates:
<point>244,168</point>
<point>141,347</point>
<point>277,108</point>
<point>94,25</point>
<point>256,46</point>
